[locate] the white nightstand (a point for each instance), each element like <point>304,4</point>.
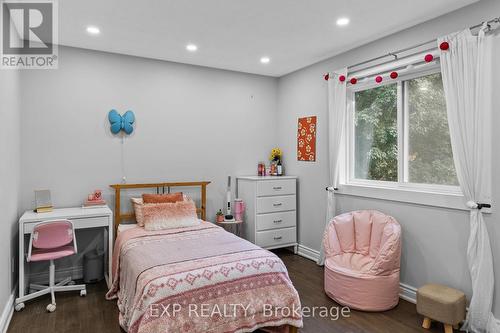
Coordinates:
<point>234,227</point>
<point>270,215</point>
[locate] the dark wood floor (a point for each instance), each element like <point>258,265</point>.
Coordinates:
<point>93,314</point>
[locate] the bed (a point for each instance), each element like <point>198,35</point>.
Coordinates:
<point>198,278</point>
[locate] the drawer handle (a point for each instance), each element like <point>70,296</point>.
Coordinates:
<point>278,221</point>
<point>277,237</point>
<point>277,204</point>
<point>277,188</point>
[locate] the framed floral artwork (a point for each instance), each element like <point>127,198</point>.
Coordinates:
<point>306,139</point>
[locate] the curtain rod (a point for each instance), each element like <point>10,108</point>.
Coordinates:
<point>395,53</point>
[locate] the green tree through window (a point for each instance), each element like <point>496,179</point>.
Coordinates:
<point>376,134</point>
<point>427,150</point>
<point>430,159</point>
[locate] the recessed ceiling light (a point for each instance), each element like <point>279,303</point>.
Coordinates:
<point>93,30</point>
<point>343,21</point>
<point>191,47</point>
<point>265,60</point>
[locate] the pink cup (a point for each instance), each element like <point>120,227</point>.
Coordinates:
<point>239,209</point>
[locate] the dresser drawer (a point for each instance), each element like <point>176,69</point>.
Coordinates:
<point>276,204</point>
<point>276,187</point>
<point>276,220</point>
<point>81,223</point>
<point>271,238</point>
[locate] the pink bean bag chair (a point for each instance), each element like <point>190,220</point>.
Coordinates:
<point>363,252</point>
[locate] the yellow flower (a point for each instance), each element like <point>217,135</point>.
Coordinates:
<point>275,153</point>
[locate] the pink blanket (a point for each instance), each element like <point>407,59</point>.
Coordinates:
<point>199,279</point>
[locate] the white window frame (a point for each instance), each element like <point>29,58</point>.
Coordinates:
<point>426,194</point>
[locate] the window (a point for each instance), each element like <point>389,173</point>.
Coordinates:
<point>398,134</point>
<point>429,156</point>
<point>376,134</point>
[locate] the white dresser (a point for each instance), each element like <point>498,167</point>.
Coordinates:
<point>270,216</point>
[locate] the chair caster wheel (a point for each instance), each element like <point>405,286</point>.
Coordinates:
<point>19,307</point>
<point>83,293</point>
<point>51,307</point>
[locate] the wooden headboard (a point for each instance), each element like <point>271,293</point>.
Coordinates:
<point>161,188</point>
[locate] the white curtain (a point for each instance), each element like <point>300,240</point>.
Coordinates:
<point>337,105</point>
<point>466,70</point>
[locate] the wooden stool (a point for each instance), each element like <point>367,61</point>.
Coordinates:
<point>441,303</point>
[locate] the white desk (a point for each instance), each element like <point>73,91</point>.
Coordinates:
<point>81,218</point>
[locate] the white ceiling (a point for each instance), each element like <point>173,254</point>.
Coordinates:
<point>235,34</point>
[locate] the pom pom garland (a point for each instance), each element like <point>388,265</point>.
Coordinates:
<point>444,46</point>
<point>429,57</point>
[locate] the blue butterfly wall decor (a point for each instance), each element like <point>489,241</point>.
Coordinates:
<point>121,123</point>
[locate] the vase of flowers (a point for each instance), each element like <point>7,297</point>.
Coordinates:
<point>275,159</point>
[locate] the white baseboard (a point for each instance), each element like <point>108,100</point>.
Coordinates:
<point>75,273</point>
<point>308,253</point>
<point>406,292</point>
<point>7,312</point>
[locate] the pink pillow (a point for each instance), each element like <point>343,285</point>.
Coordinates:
<point>344,226</point>
<point>363,230</point>
<point>162,198</point>
<point>137,203</point>
<point>169,215</point>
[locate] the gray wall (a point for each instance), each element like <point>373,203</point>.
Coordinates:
<point>229,114</point>
<point>193,123</point>
<point>9,177</point>
<point>434,239</point>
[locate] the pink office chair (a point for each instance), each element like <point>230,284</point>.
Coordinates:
<point>51,240</point>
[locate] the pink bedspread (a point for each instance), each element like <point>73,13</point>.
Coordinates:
<point>199,279</point>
